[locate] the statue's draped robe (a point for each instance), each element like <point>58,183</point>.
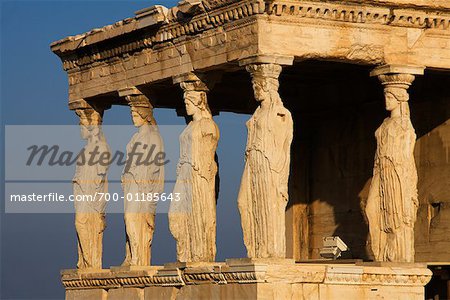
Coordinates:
<point>192,219</point>
<point>392,202</point>
<point>263,194</point>
<point>90,180</point>
<point>140,182</point>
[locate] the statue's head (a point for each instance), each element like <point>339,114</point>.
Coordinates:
<point>195,100</point>
<point>260,88</point>
<point>396,91</point>
<point>142,116</point>
<point>90,121</point>
<point>265,81</point>
<point>395,96</point>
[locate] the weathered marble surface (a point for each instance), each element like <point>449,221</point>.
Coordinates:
<point>90,179</point>
<point>192,219</point>
<point>263,194</point>
<point>393,201</point>
<point>253,279</point>
<point>141,179</point>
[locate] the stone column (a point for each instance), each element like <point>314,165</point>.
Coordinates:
<point>392,202</point>
<point>142,178</point>
<point>89,180</point>
<point>263,194</point>
<point>192,219</point>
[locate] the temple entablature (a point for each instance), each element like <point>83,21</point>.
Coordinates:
<point>159,43</point>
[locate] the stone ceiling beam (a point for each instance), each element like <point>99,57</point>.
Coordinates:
<point>397,69</point>
<point>268,59</point>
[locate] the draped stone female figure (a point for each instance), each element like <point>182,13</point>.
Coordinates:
<point>392,202</point>
<point>192,219</point>
<point>263,194</point>
<point>90,179</point>
<point>142,178</point>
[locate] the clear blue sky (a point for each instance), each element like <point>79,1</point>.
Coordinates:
<point>34,247</point>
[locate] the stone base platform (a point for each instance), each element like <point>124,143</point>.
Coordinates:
<point>250,279</point>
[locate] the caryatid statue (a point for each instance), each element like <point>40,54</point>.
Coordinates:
<point>192,219</point>
<point>263,194</point>
<point>142,181</point>
<point>392,202</point>
<point>91,179</point>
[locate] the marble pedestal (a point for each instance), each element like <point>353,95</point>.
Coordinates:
<point>251,279</point>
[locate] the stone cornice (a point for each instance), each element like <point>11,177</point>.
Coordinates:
<point>250,272</point>
<point>173,30</point>
<point>99,45</point>
<point>361,13</point>
<point>425,4</point>
<point>74,58</point>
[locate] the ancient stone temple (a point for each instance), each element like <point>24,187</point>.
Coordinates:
<point>348,136</point>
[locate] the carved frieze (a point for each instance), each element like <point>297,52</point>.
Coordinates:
<point>359,14</point>
<point>247,274</point>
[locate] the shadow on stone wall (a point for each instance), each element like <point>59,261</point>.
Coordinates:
<point>337,109</point>
<point>431,118</point>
